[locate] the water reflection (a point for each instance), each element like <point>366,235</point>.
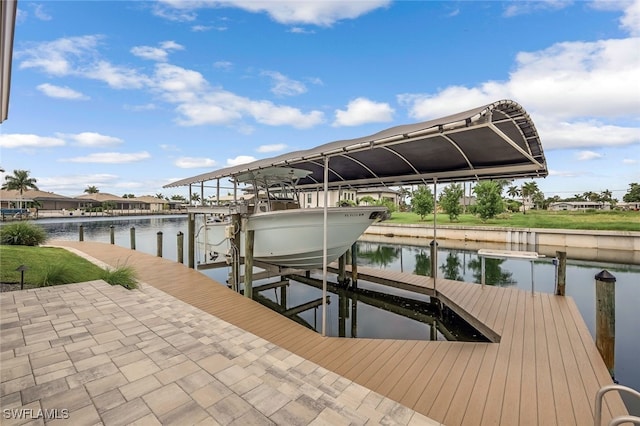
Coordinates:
<point>452,267</point>
<point>493,272</point>
<point>376,255</point>
<point>354,307</point>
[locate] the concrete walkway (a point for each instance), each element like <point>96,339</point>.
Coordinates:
<point>91,353</point>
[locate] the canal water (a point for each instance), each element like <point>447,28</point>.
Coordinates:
<point>378,311</point>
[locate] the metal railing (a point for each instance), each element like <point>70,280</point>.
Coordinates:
<point>619,419</point>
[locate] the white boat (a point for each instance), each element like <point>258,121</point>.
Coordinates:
<point>285,234</point>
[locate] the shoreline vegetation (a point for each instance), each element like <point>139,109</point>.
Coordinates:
<point>49,266</point>
<point>611,220</point>
<point>587,220</point>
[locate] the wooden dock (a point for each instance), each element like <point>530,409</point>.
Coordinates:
<point>544,369</point>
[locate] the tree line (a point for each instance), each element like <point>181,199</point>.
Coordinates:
<point>490,201</point>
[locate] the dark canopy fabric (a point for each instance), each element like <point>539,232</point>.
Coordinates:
<point>495,141</point>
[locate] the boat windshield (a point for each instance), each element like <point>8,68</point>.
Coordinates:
<point>275,187</point>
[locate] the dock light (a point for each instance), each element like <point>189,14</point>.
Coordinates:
<point>22,268</point>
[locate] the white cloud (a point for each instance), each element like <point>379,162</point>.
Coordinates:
<point>194,162</point>
<point>54,91</point>
<point>564,173</point>
<point>588,155</point>
<point>78,57</point>
<point>283,85</point>
<point>526,7</point>
<point>562,88</point>
<point>148,52</point>
<point>171,45</point>
<point>75,184</point>
<point>160,54</point>
<point>177,84</point>
<point>240,159</point>
<point>576,79</point>
<point>200,28</point>
<point>117,77</point>
<point>629,161</point>
<point>200,105</point>
<point>451,100</point>
<point>197,102</point>
<point>630,20</point>
<point>91,139</point>
<point>40,13</point>
<point>320,13</point>
<point>138,108</point>
<point>110,158</point>
<point>272,148</point>
<point>223,65</point>
<point>17,140</point>
<point>57,57</point>
<point>582,134</point>
<point>363,110</point>
<point>300,30</point>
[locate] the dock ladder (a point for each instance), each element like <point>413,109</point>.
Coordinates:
<point>619,419</point>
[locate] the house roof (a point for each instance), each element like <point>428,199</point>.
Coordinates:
<point>149,199</point>
<point>102,197</point>
<point>494,141</point>
<point>13,195</point>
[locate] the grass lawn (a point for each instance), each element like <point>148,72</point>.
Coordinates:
<point>45,264</point>
<point>605,221</point>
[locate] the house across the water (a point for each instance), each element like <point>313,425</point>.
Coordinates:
<point>580,205</point>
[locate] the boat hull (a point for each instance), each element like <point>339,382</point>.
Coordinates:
<point>294,238</point>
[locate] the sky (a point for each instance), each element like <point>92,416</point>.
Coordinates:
<point>128,96</point>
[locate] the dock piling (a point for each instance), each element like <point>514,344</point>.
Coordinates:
<point>180,247</point>
<point>81,233</point>
<point>112,234</point>
<point>248,263</point>
<point>159,244</point>
<point>561,266</point>
<point>606,318</point>
<point>132,233</point>
<point>192,240</point>
<point>354,265</point>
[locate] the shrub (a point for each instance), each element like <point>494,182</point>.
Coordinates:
<point>55,274</point>
<point>121,275</point>
<point>22,234</point>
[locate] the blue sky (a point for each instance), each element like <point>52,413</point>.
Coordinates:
<point>130,95</point>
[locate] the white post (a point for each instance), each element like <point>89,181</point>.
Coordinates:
<point>434,262</point>
<point>324,246</point>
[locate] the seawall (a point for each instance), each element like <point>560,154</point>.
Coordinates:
<point>615,246</point>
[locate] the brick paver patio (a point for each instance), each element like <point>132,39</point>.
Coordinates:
<point>91,353</point>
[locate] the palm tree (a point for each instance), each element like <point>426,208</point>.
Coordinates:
<point>194,199</point>
<point>20,181</point>
<point>527,191</point>
<point>159,195</point>
<point>513,191</point>
<point>91,189</point>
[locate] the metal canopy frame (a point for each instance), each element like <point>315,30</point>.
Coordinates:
<point>494,141</point>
